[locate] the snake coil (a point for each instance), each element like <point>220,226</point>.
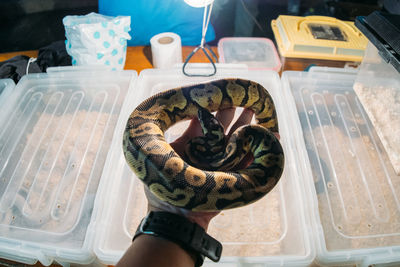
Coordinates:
<point>216,184</point>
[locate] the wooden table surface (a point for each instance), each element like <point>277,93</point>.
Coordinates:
<point>137,57</point>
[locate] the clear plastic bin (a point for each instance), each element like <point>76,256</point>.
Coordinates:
<point>256,53</point>
<point>378,88</point>
<point>57,130</point>
<point>273,231</point>
<point>345,168</point>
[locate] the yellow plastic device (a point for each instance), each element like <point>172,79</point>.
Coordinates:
<point>318,37</point>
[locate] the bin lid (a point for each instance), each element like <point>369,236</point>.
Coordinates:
<point>318,37</point>
<point>56,133</point>
<point>383,30</point>
<point>256,53</point>
<point>356,209</point>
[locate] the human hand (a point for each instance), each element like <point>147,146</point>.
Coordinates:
<point>225,117</point>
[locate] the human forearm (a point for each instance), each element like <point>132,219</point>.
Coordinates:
<point>147,250</point>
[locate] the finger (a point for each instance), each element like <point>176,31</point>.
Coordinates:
<point>244,118</point>
<point>193,130</point>
<point>245,162</point>
<point>225,116</point>
<point>202,218</point>
<point>155,204</point>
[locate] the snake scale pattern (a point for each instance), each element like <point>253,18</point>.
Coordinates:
<point>205,179</point>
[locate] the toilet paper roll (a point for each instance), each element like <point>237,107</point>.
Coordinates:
<point>166,50</point>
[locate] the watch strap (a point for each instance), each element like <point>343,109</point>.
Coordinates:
<point>180,230</point>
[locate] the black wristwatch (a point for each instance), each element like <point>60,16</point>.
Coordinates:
<point>190,236</point>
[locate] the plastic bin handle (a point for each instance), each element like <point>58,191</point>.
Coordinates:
<point>9,86</point>
<point>317,19</point>
<point>74,69</point>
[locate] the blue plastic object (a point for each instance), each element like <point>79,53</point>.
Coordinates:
<point>151,17</point>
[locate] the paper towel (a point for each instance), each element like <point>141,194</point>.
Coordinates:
<point>166,50</point>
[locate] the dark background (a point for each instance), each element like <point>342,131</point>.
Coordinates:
<point>32,24</point>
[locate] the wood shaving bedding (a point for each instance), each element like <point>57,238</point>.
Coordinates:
<point>56,181</point>
<point>382,105</point>
<point>250,231</point>
<point>357,211</point>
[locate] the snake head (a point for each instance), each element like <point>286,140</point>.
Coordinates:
<point>210,126</point>
<point>202,151</point>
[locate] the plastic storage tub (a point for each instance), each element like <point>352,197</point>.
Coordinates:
<point>317,40</point>
<point>378,88</point>
<point>57,130</point>
<point>345,168</point>
<point>273,231</point>
<point>378,81</point>
<point>256,53</point>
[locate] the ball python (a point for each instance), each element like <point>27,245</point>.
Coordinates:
<point>205,179</point>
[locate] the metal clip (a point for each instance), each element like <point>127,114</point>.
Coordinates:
<point>210,56</point>
<point>203,46</point>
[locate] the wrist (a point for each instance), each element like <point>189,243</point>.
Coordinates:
<point>180,230</point>
<point>175,250</point>
<point>153,251</point>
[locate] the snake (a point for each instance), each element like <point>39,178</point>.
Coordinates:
<point>207,176</point>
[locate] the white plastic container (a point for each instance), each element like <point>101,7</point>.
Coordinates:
<point>271,232</point>
<point>57,130</point>
<point>378,81</point>
<point>345,168</point>
<point>377,72</point>
<point>256,53</point>
<point>378,88</point>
